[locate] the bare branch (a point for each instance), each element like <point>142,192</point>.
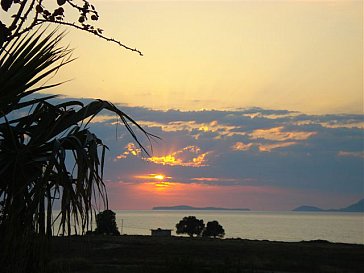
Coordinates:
<point>18,16</point>
<point>25,17</point>
<point>93,31</point>
<point>21,23</point>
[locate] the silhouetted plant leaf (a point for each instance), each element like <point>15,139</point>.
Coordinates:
<point>39,8</point>
<point>6,4</point>
<point>49,151</point>
<point>61,2</point>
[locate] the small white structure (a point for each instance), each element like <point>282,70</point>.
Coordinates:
<point>161,232</point>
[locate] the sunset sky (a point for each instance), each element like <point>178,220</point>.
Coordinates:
<point>259,104</point>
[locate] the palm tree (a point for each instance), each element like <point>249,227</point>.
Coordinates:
<point>47,151</point>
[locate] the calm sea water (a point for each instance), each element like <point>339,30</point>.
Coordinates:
<point>279,226</point>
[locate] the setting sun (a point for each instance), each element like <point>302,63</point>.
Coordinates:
<point>159,176</point>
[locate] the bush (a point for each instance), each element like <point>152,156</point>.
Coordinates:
<point>106,223</point>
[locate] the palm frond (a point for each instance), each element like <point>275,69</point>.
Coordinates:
<point>50,151</point>
<point>30,60</point>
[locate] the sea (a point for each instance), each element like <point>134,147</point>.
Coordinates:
<point>339,227</point>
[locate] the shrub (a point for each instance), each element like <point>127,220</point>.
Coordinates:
<point>106,223</point>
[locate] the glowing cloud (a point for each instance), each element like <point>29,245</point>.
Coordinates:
<point>261,114</point>
<point>347,124</point>
<point>166,189</point>
<point>103,119</point>
<point>240,146</point>
<point>270,147</point>
<point>131,149</point>
<point>277,134</point>
<point>190,126</point>
<point>209,179</point>
<point>153,176</point>
<point>189,156</point>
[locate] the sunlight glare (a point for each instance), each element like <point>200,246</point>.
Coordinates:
<point>159,177</point>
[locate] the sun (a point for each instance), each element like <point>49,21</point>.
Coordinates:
<point>156,183</point>
<point>159,176</point>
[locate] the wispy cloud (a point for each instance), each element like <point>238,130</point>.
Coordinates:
<point>266,147</point>
<point>351,154</point>
<point>279,134</point>
<point>195,128</point>
<point>270,147</point>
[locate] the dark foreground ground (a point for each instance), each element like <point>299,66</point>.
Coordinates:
<point>145,254</point>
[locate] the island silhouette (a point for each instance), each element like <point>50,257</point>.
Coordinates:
<point>356,207</point>
<point>184,207</point>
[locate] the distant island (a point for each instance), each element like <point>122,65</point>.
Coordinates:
<point>356,207</point>
<point>194,208</point>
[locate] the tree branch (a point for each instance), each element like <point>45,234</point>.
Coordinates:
<point>18,15</point>
<point>93,31</point>
<point>24,18</point>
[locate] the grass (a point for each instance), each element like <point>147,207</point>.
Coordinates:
<point>146,254</point>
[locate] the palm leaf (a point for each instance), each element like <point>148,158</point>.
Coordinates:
<point>49,152</point>
<point>31,60</point>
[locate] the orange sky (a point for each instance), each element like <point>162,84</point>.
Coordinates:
<point>304,56</point>
<point>297,55</point>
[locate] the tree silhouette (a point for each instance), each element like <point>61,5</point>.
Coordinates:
<point>50,153</point>
<point>213,229</point>
<point>47,150</point>
<point>190,225</point>
<point>106,224</point>
<point>25,15</point>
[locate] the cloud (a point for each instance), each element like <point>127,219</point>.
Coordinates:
<point>278,134</point>
<point>351,154</point>
<point>190,156</point>
<point>240,146</point>
<point>153,176</point>
<point>195,128</point>
<point>270,147</point>
<point>208,179</point>
<point>130,149</point>
<point>255,148</point>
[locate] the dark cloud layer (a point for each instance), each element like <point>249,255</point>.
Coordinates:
<point>247,147</point>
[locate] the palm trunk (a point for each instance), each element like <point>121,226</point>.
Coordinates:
<point>49,213</point>
<point>41,216</point>
<point>69,221</point>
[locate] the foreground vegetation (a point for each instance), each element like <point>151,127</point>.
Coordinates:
<point>49,155</point>
<point>109,254</point>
